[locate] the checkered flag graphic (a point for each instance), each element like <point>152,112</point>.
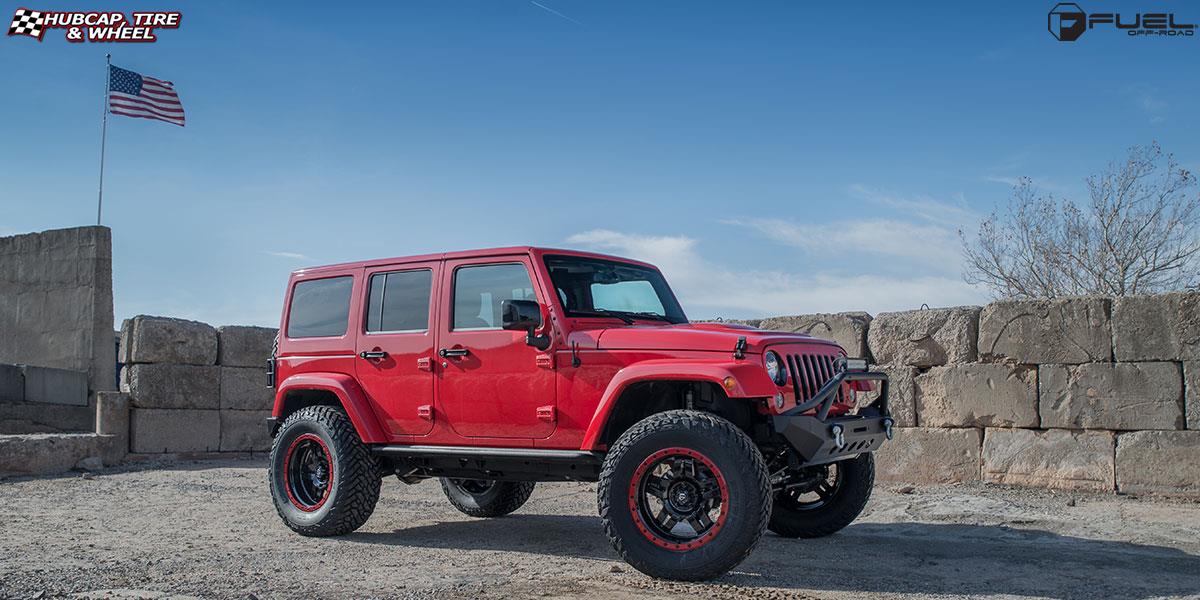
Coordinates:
<point>27,22</point>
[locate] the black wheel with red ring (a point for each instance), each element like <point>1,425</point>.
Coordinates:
<point>324,480</point>
<point>679,498</point>
<point>308,472</point>
<point>684,495</point>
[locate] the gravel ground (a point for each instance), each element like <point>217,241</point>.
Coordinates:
<point>207,529</point>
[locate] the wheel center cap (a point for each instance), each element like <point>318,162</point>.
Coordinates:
<point>683,497</point>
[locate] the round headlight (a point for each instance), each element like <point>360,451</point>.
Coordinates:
<point>775,368</point>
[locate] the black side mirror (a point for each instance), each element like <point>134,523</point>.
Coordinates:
<point>520,315</point>
<point>524,315</point>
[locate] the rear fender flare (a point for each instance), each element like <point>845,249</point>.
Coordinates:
<point>750,380</point>
<point>348,393</point>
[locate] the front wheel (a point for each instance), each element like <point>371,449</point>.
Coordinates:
<point>819,501</point>
<point>684,495</point>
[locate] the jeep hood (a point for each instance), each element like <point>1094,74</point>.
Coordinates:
<point>714,337</point>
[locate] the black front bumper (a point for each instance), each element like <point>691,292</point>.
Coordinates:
<point>820,439</point>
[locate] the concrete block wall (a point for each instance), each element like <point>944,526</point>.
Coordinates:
<point>194,387</point>
<point>1088,393</point>
<point>56,306</point>
<point>36,453</point>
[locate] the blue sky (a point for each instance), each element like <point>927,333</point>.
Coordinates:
<point>771,157</point>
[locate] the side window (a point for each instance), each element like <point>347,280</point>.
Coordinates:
<point>320,308</point>
<point>399,301</point>
<point>479,290</point>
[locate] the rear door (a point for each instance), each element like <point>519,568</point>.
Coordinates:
<point>396,345</point>
<point>491,383</point>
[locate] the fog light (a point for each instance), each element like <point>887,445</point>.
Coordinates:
<point>853,364</point>
<point>779,401</point>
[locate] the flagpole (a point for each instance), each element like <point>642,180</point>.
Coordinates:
<point>104,132</point>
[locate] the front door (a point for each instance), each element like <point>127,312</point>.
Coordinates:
<point>395,347</point>
<point>491,383</point>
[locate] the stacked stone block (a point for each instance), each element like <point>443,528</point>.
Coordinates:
<point>1086,393</point>
<point>56,302</point>
<point>195,388</point>
<point>848,329</point>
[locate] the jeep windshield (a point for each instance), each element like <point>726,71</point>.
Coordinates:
<point>592,287</point>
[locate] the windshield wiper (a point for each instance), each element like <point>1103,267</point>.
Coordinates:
<point>624,315</point>
<point>600,312</point>
<point>630,315</point>
<point>652,316</point>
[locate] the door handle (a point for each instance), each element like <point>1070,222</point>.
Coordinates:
<point>373,354</point>
<point>445,352</point>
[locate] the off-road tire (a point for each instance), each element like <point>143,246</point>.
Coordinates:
<point>841,510</point>
<point>735,459</point>
<point>501,498</point>
<point>353,486</point>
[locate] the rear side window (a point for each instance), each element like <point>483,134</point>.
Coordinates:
<point>320,308</point>
<point>399,301</point>
<point>479,290</point>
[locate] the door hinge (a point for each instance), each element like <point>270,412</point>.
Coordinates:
<point>425,411</point>
<point>545,361</point>
<point>425,364</point>
<point>546,413</point>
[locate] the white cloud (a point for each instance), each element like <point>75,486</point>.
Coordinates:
<point>924,235</point>
<point>1005,179</point>
<point>1045,184</point>
<point>708,289</point>
<point>292,255</point>
<point>931,245</point>
<point>922,207</point>
<point>1147,99</point>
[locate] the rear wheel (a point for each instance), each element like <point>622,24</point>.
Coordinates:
<point>819,501</point>
<point>486,497</point>
<point>324,481</point>
<point>684,495</point>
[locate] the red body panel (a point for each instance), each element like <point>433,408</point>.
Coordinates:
<point>358,408</point>
<point>402,383</point>
<point>497,389</point>
<point>505,392</point>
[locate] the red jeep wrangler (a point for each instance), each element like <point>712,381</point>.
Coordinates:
<point>495,369</point>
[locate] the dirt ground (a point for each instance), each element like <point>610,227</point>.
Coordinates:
<point>207,529</point>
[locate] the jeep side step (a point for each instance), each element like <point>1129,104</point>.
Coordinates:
<point>473,462</point>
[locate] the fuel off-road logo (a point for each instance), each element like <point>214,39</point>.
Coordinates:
<point>1067,21</point>
<point>110,26</point>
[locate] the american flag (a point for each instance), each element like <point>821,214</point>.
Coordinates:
<point>134,95</point>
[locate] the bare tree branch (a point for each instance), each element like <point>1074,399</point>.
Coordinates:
<point>1138,233</point>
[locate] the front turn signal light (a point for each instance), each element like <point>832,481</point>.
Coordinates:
<point>730,384</point>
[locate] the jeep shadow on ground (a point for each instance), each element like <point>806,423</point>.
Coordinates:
<point>898,558</point>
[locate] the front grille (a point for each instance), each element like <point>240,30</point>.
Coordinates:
<point>810,371</point>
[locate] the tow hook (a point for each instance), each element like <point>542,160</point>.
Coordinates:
<point>839,438</point>
<point>887,427</point>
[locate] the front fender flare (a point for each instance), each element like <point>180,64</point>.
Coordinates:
<point>749,376</point>
<point>348,392</point>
